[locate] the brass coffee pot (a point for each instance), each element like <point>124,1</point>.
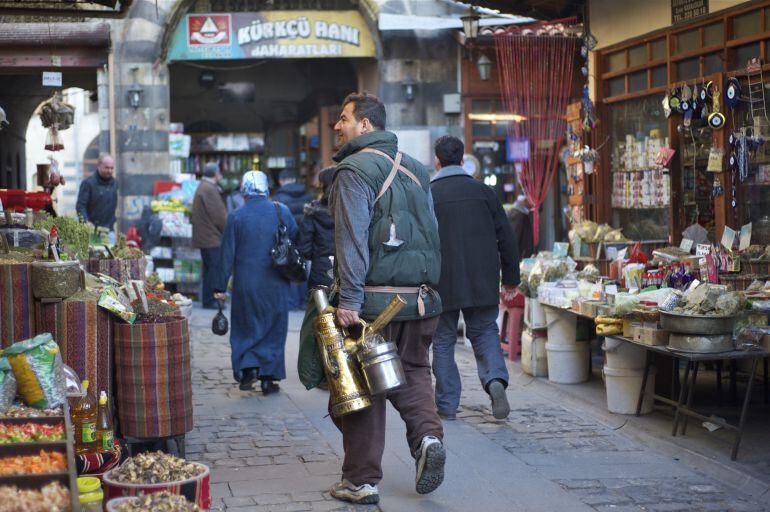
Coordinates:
<point>341,352</point>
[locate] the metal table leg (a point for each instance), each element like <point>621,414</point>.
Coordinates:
<point>746,400</point>
<point>733,382</point>
<point>765,379</point>
<point>690,393</point>
<point>647,365</point>
<point>682,391</point>
<point>719,383</point>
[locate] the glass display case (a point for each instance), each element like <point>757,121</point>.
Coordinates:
<point>698,185</point>
<point>641,191</point>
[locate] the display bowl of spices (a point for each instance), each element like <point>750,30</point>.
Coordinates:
<point>159,502</point>
<point>156,472</point>
<point>55,279</point>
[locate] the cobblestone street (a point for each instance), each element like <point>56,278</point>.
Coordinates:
<point>280,453</point>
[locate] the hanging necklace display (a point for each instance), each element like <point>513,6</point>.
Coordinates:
<point>705,95</point>
<point>716,119</point>
<point>732,93</point>
<point>674,99</point>
<point>742,154</point>
<point>685,102</point>
<point>666,106</point>
<point>717,187</point>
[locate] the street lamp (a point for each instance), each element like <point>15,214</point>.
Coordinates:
<point>471,24</point>
<point>409,87</point>
<point>484,65</point>
<point>135,93</point>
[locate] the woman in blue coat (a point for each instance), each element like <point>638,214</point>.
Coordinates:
<point>260,308</point>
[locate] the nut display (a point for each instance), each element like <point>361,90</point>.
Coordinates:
<point>159,502</point>
<point>155,468</point>
<point>30,433</point>
<point>23,411</point>
<point>44,462</point>
<point>53,497</point>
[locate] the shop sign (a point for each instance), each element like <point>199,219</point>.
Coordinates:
<point>516,149</point>
<point>52,78</point>
<point>272,35</point>
<point>685,10</point>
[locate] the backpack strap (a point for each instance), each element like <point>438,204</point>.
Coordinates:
<point>394,170</point>
<point>280,217</point>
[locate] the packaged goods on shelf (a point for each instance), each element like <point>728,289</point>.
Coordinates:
<point>645,189</point>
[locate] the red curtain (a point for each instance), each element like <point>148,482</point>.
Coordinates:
<point>535,79</point>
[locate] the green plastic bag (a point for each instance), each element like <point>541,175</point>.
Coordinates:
<point>309,364</point>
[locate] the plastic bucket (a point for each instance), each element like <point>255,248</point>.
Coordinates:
<point>534,316</point>
<point>567,364</point>
<point>622,355</point>
<point>623,386</point>
<point>562,326</point>
<point>534,359</point>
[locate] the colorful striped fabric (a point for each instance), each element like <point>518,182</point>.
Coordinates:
<point>153,380</point>
<point>118,269</point>
<point>17,307</point>
<point>94,464</point>
<point>84,334</point>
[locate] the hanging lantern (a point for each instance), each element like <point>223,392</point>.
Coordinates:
<point>471,24</point>
<point>484,65</point>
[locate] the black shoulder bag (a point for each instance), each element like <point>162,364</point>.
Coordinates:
<point>286,257</point>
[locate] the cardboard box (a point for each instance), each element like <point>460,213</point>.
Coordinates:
<point>653,337</point>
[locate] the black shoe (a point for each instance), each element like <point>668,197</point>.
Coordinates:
<point>500,406</point>
<point>269,386</point>
<point>248,378</point>
<point>237,375</point>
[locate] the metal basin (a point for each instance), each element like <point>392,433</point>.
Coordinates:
<point>701,344</point>
<point>697,324</point>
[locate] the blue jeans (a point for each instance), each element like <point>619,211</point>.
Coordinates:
<point>211,266</point>
<point>482,330</point>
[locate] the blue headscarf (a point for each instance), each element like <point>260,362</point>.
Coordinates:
<point>254,184</point>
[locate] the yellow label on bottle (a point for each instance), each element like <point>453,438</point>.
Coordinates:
<point>89,432</point>
<point>108,440</point>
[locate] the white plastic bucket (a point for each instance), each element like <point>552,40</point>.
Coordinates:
<point>623,355</point>
<point>567,364</point>
<point>562,326</point>
<point>534,359</point>
<point>534,316</point>
<point>623,386</point>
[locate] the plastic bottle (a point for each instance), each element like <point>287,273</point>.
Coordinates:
<point>84,421</point>
<point>688,276</point>
<point>105,438</point>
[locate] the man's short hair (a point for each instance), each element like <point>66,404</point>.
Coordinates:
<point>210,169</point>
<point>449,150</point>
<point>367,106</point>
<point>287,174</point>
<point>101,158</point>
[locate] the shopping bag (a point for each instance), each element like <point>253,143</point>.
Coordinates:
<point>220,325</point>
<point>309,364</point>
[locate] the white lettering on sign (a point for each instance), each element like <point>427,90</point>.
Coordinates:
<point>52,79</point>
<point>683,10</point>
<point>298,28</point>
<point>297,50</point>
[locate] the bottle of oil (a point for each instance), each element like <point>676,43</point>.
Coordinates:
<point>104,435</point>
<point>84,421</point>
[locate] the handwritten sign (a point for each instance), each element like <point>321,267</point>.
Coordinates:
<point>702,249</point>
<point>686,244</point>
<point>745,239</point>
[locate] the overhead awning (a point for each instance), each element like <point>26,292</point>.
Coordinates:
<point>395,22</point>
<point>85,8</point>
<point>44,45</point>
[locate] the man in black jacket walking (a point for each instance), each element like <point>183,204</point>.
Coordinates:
<point>98,195</point>
<point>476,241</point>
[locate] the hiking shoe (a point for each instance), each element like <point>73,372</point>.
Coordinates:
<point>364,494</point>
<point>430,465</point>
<point>500,407</point>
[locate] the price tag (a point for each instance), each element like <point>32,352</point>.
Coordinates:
<point>745,239</point>
<point>728,238</point>
<point>51,78</point>
<point>560,249</point>
<point>702,249</point>
<point>686,245</point>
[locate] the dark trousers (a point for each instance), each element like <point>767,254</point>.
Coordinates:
<point>481,328</point>
<point>211,266</point>
<point>363,432</point>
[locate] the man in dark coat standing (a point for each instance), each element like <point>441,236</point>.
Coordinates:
<point>208,218</point>
<point>98,194</point>
<point>292,194</point>
<point>476,241</point>
<point>521,223</point>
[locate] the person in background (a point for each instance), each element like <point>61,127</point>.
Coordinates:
<point>316,234</point>
<point>294,195</point>
<point>521,223</point>
<point>387,243</point>
<point>476,241</point>
<point>259,316</point>
<point>98,195</point>
<point>208,217</point>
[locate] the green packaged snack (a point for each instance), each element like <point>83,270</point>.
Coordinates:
<point>7,384</point>
<point>38,369</point>
<point>111,301</point>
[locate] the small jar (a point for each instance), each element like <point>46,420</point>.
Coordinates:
<point>90,494</point>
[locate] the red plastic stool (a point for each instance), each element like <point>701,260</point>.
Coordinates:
<point>510,331</point>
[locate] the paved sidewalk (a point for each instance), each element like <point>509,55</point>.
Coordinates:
<point>281,452</point>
